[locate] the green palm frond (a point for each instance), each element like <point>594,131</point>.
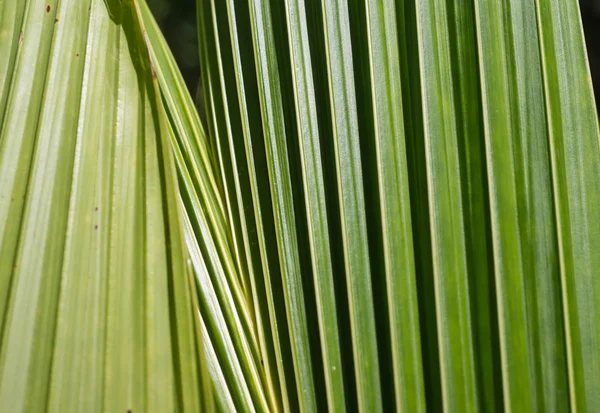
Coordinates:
<point>96,292</point>
<point>410,162</point>
<point>395,206</point>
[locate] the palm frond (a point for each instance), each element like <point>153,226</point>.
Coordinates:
<point>96,293</point>
<point>394,207</point>
<point>434,164</point>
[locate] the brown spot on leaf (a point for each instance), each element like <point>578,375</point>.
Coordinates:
<point>48,8</point>
<point>56,20</point>
<point>96,227</point>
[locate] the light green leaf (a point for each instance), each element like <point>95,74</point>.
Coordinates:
<point>97,309</point>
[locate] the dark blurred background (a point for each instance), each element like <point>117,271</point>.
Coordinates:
<point>590,13</point>
<point>177,19</point>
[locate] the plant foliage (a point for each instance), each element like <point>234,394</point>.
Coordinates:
<point>395,207</point>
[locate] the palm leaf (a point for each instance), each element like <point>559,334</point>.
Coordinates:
<point>97,299</point>
<point>523,228</point>
<point>421,144</point>
<point>394,208</point>
<point>227,323</point>
<point>573,140</point>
